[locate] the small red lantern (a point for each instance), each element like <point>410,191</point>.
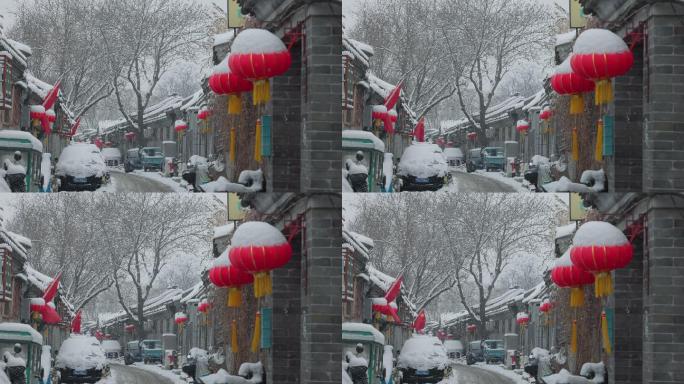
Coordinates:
<point>566,275</point>
<point>600,247</point>
<point>258,248</point>
<point>50,118</point>
<point>522,126</point>
<point>522,318</point>
<point>567,82</point>
<point>599,55</point>
<point>204,113</point>
<point>223,274</point>
<point>471,328</point>
<point>129,136</point>
<point>37,308</point>
<point>419,323</point>
<point>393,115</point>
<point>471,136</point>
<point>203,306</point>
<point>545,306</point>
<point>389,309</point>
<point>180,318</point>
<point>224,82</point>
<point>546,113</point>
<point>180,125</point>
<point>99,335</point>
<point>37,114</point>
<point>379,115</point>
<point>257,55</point>
<point>129,328</point>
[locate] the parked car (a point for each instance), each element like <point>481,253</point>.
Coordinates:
<point>111,156</point>
<point>132,161</point>
<point>474,354</point>
<point>474,160</point>
<point>454,348</point>
<point>423,167</point>
<point>423,359</point>
<point>454,156</point>
<point>133,353</point>
<point>81,167</point>
<point>493,159</point>
<point>81,359</point>
<point>152,351</point>
<point>152,159</point>
<point>112,349</point>
<point>493,351</point>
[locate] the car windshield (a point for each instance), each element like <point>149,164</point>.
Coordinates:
<point>494,151</point>
<point>494,344</point>
<point>152,151</point>
<point>150,344</point>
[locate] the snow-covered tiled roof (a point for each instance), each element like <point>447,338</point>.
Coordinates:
<point>565,230</point>
<point>152,306</point>
<point>19,244</point>
<point>362,244</point>
<point>17,50</point>
<point>357,50</point>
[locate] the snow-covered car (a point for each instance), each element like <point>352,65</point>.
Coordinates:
<point>112,157</point>
<point>423,359</point>
<point>454,348</point>
<point>81,359</point>
<point>80,168</point>
<point>422,167</point>
<point>454,156</point>
<point>112,349</point>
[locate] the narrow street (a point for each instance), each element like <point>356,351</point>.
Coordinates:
<point>131,182</point>
<point>472,182</point>
<point>123,374</point>
<point>464,374</point>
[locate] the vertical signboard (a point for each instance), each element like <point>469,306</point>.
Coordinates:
<point>577,17</point>
<point>235,210</point>
<point>577,210</point>
<point>235,18</point>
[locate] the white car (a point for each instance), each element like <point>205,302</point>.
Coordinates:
<point>81,359</point>
<point>81,167</point>
<point>423,359</point>
<point>423,167</point>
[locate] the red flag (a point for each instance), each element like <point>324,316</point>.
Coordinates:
<point>419,131</point>
<point>393,97</point>
<point>74,127</point>
<point>419,323</point>
<point>76,323</point>
<point>394,289</point>
<point>51,97</point>
<point>51,290</point>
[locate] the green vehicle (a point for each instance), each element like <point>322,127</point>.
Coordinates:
<point>373,347</point>
<point>373,150</point>
<point>493,351</point>
<point>31,343</point>
<point>151,351</point>
<point>31,150</point>
<point>152,158</point>
<point>493,159</point>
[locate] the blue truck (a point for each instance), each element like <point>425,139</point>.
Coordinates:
<point>152,159</point>
<point>493,159</point>
<point>493,351</point>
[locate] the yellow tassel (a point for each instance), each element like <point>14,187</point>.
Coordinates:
<point>575,145</point>
<point>598,153</point>
<point>257,142</point>
<point>262,284</point>
<point>573,337</point>
<point>256,339</point>
<point>234,104</point>
<point>604,333</point>
<point>233,337</point>
<point>261,93</point>
<point>576,104</point>
<point>576,297</point>
<point>234,297</point>
<point>603,285</point>
<point>604,92</point>
<point>233,144</point>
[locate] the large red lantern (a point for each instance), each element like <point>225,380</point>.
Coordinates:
<point>258,248</point>
<point>599,247</point>
<point>566,82</point>
<point>419,323</point>
<point>599,55</point>
<point>389,309</point>
<point>257,55</point>
<point>225,82</point>
<point>522,126</point>
<point>223,274</point>
<point>567,275</point>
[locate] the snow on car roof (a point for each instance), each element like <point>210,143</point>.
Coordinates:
<point>81,159</point>
<point>423,352</point>
<point>423,160</point>
<point>21,135</point>
<point>361,327</point>
<point>36,337</point>
<point>355,134</point>
<point>81,352</point>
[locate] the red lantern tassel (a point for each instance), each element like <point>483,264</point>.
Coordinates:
<point>233,337</point>
<point>603,286</point>
<point>262,284</point>
<point>233,144</point>
<point>257,142</point>
<point>599,141</point>
<point>575,145</point>
<point>604,333</point>
<point>256,338</point>
<point>604,92</point>
<point>234,297</point>
<point>576,104</point>
<point>576,297</point>
<point>234,104</point>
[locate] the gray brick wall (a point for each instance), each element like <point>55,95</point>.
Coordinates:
<point>321,346</point>
<point>322,99</point>
<point>625,168</point>
<point>285,164</point>
<point>663,352</point>
<point>626,367</point>
<point>663,115</point>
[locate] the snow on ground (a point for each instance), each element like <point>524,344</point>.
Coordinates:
<point>158,370</point>
<point>158,177</point>
<point>517,379</point>
<point>516,183</point>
